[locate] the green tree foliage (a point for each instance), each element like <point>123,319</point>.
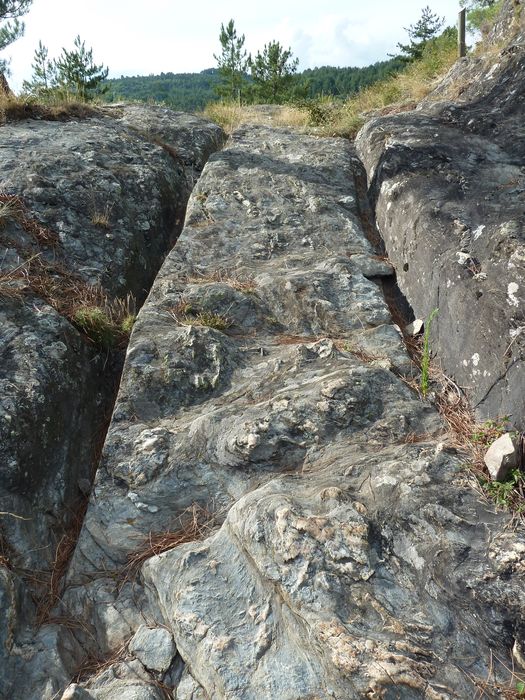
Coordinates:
<point>184,91</point>
<point>193,91</point>
<point>77,75</point>
<point>232,63</point>
<point>427,27</point>
<point>343,82</point>
<point>11,28</point>
<point>273,73</point>
<point>481,13</point>
<point>44,78</point>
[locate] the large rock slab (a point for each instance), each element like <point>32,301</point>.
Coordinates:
<point>273,244</point>
<point>448,183</point>
<point>90,202</point>
<point>263,381</point>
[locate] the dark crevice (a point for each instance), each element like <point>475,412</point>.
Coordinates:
<point>81,459</point>
<point>398,305</point>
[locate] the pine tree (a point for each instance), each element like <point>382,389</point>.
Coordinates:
<point>427,27</point>
<point>44,78</point>
<point>13,29</point>
<point>232,63</point>
<point>273,73</point>
<point>77,75</point>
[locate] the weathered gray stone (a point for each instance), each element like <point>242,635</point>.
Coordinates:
<point>307,572</point>
<point>189,689</point>
<point>125,680</point>
<point>448,184</point>
<point>76,692</point>
<point>502,456</point>
<point>56,387</point>
<point>346,556</point>
<point>355,571</point>
<point>154,648</point>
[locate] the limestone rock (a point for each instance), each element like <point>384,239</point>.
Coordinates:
<point>76,692</point>
<point>502,456</point>
<point>273,502</point>
<point>342,558</point>
<point>154,648</point>
<point>447,181</point>
<point>91,202</point>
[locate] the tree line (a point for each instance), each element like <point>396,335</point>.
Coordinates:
<point>270,76</point>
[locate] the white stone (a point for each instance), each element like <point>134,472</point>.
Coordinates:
<point>501,457</point>
<point>415,327</point>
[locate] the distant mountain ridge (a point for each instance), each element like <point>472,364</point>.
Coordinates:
<point>192,91</point>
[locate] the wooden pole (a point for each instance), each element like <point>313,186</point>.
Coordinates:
<point>462,45</point>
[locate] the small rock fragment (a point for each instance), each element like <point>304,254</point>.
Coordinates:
<point>75,692</point>
<point>154,648</point>
<point>415,327</point>
<point>501,457</point>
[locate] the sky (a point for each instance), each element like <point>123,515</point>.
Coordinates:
<point>143,37</point>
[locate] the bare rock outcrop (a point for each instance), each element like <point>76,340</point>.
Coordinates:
<point>448,183</point>
<point>88,211</point>
<point>277,513</point>
<point>264,382</point>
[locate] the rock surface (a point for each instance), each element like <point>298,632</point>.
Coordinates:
<point>56,386</point>
<point>276,513</point>
<point>448,182</point>
<point>263,381</point>
<point>502,456</point>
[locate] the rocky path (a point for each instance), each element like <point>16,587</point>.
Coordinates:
<point>263,385</point>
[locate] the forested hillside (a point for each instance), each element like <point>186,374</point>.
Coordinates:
<point>192,91</point>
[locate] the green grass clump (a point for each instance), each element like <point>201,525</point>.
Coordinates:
<point>96,324</point>
<point>425,354</point>
<point>107,325</point>
<point>208,318</point>
<point>506,494</point>
<point>127,323</point>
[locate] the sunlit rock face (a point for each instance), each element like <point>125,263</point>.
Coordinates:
<point>448,181</point>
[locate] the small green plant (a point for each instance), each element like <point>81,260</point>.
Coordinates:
<point>189,315</point>
<point>520,688</point>
<point>425,353</point>
<point>504,492</point>
<point>127,323</point>
<point>485,433</point>
<point>208,318</point>
<point>96,325</point>
<point>107,323</point>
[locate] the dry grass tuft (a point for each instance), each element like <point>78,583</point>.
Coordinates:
<point>102,218</point>
<point>241,283</point>
<point>13,109</point>
<point>398,93</point>
<point>194,524</point>
<point>106,321</point>
<point>188,315</point>
<point>13,208</point>
<point>230,115</point>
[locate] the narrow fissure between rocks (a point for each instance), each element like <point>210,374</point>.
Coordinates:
<point>46,275</point>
